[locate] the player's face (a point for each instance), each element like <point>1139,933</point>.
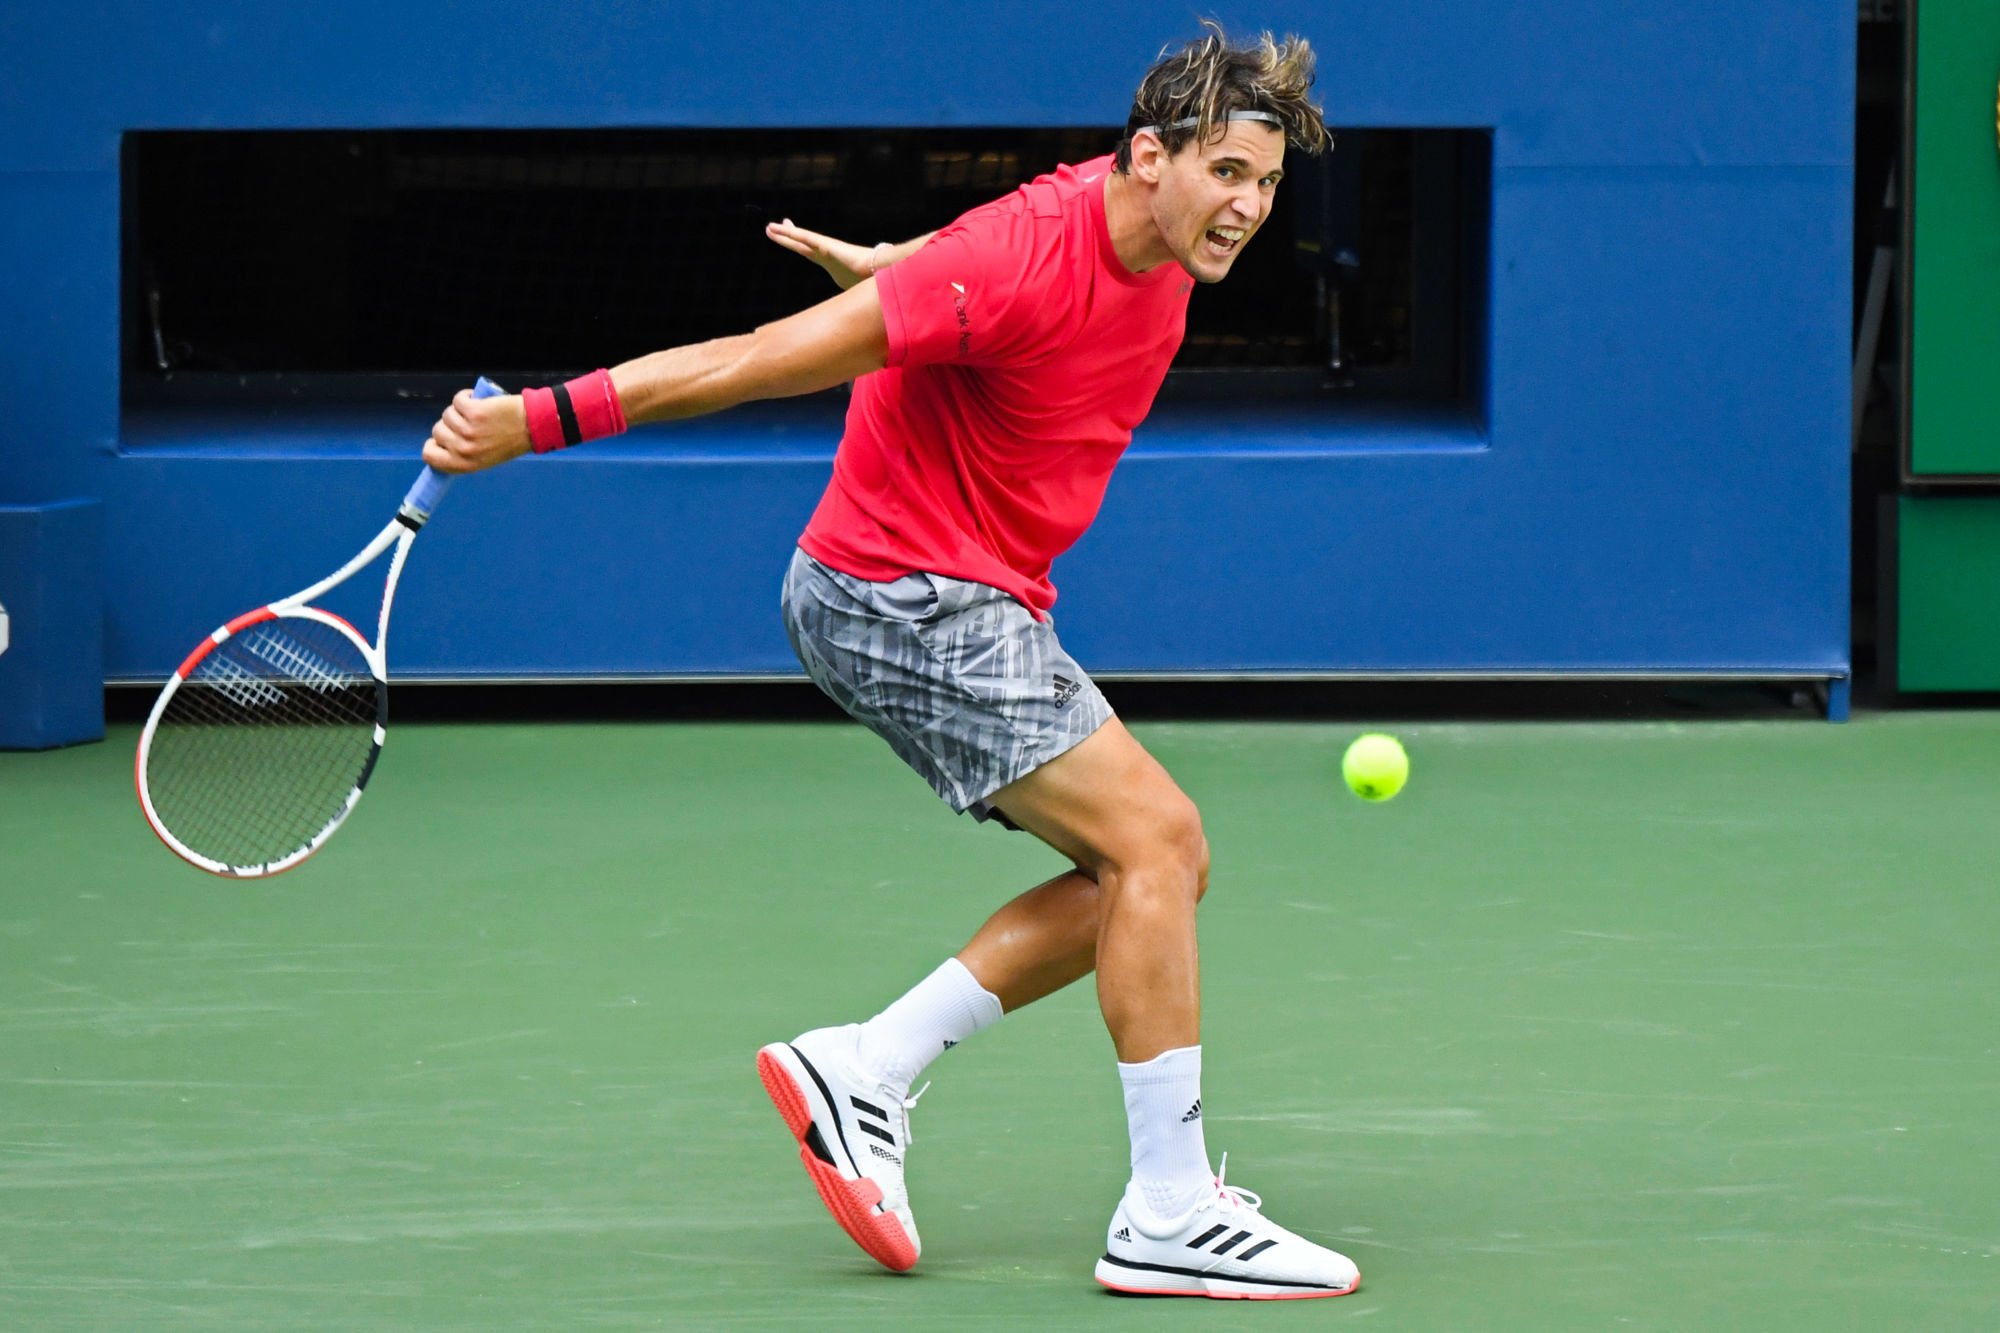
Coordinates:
<point>1212,199</point>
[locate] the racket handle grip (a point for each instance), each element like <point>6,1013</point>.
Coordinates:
<point>432,484</point>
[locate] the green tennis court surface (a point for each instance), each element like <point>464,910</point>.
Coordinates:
<point>1636,1025</point>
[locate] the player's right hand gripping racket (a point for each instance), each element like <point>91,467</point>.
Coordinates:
<point>262,742</point>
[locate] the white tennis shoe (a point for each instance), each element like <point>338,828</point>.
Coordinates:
<point>853,1132</point>
<point>1225,1248</point>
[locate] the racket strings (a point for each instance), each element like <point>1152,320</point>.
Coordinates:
<point>261,747</point>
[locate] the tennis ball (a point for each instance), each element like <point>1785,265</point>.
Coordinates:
<point>1375,766</point>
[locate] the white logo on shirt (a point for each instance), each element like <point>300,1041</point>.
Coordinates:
<point>958,287</point>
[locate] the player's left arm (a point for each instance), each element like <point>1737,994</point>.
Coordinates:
<point>840,339</point>
<point>845,262</point>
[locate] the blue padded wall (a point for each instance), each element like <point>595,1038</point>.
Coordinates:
<point>1659,482</point>
<point>52,648</point>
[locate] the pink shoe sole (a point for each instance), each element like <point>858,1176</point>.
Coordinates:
<point>1234,1295</point>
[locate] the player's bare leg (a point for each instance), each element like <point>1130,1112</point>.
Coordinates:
<point>1112,809</point>
<point>1038,943</point>
<point>1041,941</point>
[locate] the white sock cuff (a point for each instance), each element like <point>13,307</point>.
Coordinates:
<point>981,1006</point>
<point>1166,1067</point>
<point>935,1015</point>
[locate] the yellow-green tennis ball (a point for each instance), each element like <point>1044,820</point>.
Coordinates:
<point>1375,766</point>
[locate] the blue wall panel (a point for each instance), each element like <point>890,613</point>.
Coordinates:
<point>59,313</point>
<point>1587,81</point>
<point>1660,483</point>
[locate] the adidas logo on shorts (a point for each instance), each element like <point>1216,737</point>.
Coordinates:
<point>1065,689</point>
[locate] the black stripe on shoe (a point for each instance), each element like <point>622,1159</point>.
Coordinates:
<point>1232,1243</point>
<point>878,1132</point>
<point>1223,1277</point>
<point>826,1094</point>
<point>1207,1236</point>
<point>875,1111</point>
<point>1254,1251</point>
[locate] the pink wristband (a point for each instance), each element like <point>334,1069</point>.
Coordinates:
<point>586,408</point>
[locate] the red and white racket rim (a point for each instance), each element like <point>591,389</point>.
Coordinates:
<point>181,673</point>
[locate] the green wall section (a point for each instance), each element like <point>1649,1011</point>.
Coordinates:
<point>1955,247</point>
<point>1948,594</point>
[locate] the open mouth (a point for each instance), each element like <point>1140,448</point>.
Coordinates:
<point>1223,240</point>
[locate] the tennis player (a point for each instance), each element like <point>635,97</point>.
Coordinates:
<point>999,368</point>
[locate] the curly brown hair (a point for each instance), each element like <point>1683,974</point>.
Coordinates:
<point>1209,78</point>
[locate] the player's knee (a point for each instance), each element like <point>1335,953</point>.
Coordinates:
<point>1159,857</point>
<point>1181,848</point>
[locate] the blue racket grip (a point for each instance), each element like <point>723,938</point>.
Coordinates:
<point>432,485</point>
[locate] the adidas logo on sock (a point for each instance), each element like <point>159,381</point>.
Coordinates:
<point>1124,1233</point>
<point>1194,1113</point>
<point>949,1043</point>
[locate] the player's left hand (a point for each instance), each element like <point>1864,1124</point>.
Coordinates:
<point>478,433</point>
<point>845,262</point>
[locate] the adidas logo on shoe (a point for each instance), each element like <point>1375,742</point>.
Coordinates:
<point>1124,1233</point>
<point>1194,1113</point>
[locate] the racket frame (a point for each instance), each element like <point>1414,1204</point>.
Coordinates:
<point>298,606</point>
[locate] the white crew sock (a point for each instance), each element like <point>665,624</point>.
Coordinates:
<point>939,1012</point>
<point>1169,1155</point>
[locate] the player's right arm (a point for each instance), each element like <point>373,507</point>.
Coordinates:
<point>840,339</point>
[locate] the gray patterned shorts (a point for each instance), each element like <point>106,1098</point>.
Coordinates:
<point>968,687</point>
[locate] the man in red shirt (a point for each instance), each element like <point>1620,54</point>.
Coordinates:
<point>999,368</point>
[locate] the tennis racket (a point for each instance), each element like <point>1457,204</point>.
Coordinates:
<point>262,742</point>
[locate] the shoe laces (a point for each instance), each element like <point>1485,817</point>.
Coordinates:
<point>895,1195</point>
<point>1237,1195</point>
<point>907,1103</point>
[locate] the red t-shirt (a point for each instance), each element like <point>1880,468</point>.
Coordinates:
<point>1021,355</point>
